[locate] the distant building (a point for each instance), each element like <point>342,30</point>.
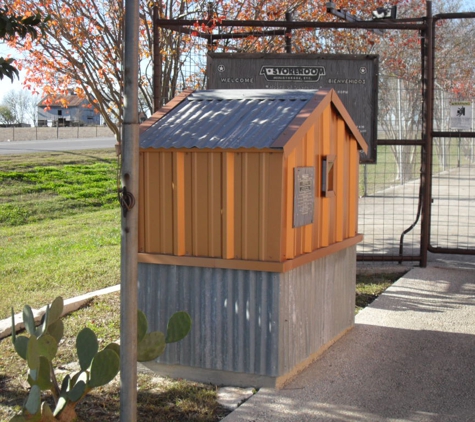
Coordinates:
<point>66,110</point>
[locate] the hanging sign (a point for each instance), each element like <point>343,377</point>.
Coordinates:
<point>304,195</point>
<point>461,115</point>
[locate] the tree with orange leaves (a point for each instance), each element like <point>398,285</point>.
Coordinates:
<point>81,48</point>
<point>12,26</point>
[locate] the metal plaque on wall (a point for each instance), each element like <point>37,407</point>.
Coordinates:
<point>304,195</point>
<point>353,77</point>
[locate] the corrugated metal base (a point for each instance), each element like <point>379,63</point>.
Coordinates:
<point>236,379</point>
<point>251,322</point>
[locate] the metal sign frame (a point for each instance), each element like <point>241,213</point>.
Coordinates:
<point>353,77</point>
<point>304,196</point>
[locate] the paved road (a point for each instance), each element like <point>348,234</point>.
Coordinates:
<point>22,147</point>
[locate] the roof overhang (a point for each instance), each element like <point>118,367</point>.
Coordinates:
<point>302,122</point>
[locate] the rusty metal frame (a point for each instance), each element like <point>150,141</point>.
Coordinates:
<point>426,26</point>
<point>439,134</point>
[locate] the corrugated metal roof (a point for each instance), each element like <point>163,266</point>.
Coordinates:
<point>227,119</point>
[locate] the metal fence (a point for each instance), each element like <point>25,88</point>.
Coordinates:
<point>391,197</point>
<point>453,197</point>
<point>417,197</point>
<point>390,205</point>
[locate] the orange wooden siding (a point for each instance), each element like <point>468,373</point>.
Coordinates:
<point>335,217</point>
<point>211,204</point>
<point>239,204</point>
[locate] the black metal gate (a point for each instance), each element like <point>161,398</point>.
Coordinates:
<point>425,204</point>
<point>433,212</point>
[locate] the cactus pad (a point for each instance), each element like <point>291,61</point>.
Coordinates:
<point>87,347</point>
<point>151,346</point>
<point>179,325</point>
<point>104,368</point>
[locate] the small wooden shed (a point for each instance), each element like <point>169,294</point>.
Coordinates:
<point>248,210</point>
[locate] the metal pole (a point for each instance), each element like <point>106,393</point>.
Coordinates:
<point>210,19</point>
<point>157,63</point>
<point>399,125</point>
<point>459,151</point>
<point>129,223</point>
<point>429,110</point>
<point>410,24</point>
<point>288,33</point>
<point>365,177</point>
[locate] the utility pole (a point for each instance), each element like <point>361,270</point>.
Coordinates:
<point>129,222</point>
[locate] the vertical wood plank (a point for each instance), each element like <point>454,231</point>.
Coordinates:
<point>194,202</point>
<point>211,200</point>
<point>202,204</point>
<point>347,183</point>
<point>353,192</point>
<point>228,205</point>
<point>238,199</point>
<point>340,179</point>
<point>166,203</point>
<point>214,205</point>
<point>328,135</point>
<point>318,148</point>
<point>332,201</point>
<point>250,210</point>
<point>274,195</point>
<point>188,203</point>
<point>179,203</point>
<point>309,162</point>
<point>141,246</point>
<point>289,237</point>
<point>162,201</point>
<point>245,205</point>
<point>263,187</point>
<point>152,211</point>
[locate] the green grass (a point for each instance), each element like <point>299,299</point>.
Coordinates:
<point>377,177</point>
<point>59,186</point>
<point>370,286</point>
<point>59,226</point>
<point>63,257</point>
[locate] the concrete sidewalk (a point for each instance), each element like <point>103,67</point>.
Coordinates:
<point>410,357</point>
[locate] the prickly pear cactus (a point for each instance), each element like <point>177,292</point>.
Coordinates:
<point>97,368</point>
<point>151,345</point>
<point>39,349</point>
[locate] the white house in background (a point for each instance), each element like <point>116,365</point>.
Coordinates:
<point>66,110</point>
